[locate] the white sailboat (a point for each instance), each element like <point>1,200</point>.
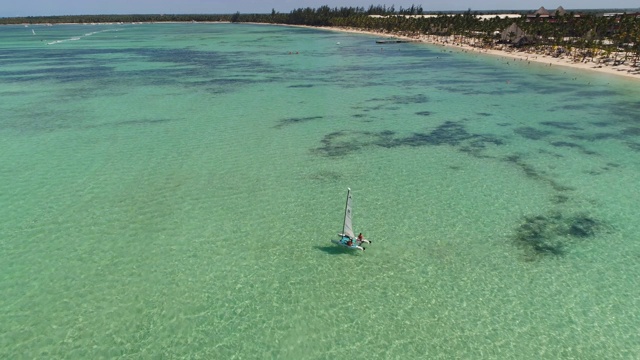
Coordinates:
<point>348,238</point>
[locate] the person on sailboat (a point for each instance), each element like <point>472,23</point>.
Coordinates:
<point>360,238</point>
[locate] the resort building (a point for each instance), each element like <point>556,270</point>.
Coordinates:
<point>543,14</point>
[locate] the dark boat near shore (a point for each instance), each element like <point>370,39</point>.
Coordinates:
<point>394,41</point>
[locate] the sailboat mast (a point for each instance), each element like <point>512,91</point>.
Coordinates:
<point>346,211</point>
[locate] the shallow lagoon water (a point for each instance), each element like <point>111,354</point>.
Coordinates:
<point>170,190</point>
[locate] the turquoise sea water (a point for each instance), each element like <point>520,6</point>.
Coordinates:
<point>170,191</point>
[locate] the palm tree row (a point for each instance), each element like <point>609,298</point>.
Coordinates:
<point>587,34</point>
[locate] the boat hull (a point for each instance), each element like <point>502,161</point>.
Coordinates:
<point>352,247</point>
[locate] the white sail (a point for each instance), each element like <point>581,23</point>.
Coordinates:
<point>348,227</point>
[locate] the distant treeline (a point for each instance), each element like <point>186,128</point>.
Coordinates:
<point>583,30</point>
<point>300,16</point>
<point>89,19</point>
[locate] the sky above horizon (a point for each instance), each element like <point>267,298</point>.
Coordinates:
<point>11,8</point>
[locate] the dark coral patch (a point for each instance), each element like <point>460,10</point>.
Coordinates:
<point>297,120</point>
<point>450,133</point>
<point>536,235</point>
<point>338,144</point>
<point>573,145</point>
<point>528,169</point>
<point>534,174</point>
<point>572,107</point>
<point>423,113</point>
<point>554,233</point>
<point>562,125</point>
<point>625,110</point>
<point>582,226</point>
<point>404,99</point>
<point>532,133</point>
<point>385,139</point>
<point>633,131</point>
<point>560,199</point>
<point>633,146</point>
<point>594,94</point>
<point>469,92</point>
<point>565,144</point>
<point>595,137</point>
<point>550,153</point>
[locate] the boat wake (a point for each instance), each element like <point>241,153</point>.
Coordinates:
<point>75,38</point>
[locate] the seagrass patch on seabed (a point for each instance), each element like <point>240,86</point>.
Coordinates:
<point>554,234</point>
<point>341,143</point>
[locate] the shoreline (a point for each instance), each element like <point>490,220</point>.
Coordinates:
<point>596,64</point>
